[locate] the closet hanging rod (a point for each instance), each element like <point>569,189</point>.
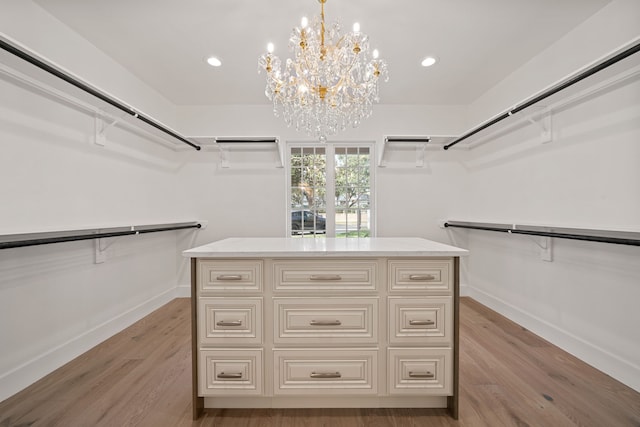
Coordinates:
<point>45,238</point>
<point>572,234</point>
<point>569,82</point>
<point>20,53</point>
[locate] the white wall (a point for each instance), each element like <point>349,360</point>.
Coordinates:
<point>612,27</point>
<point>55,302</point>
<point>25,22</point>
<point>251,201</point>
<point>585,299</point>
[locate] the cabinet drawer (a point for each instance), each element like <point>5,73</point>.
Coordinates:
<point>230,372</point>
<point>334,275</point>
<point>420,371</point>
<point>430,276</point>
<point>325,321</point>
<point>325,372</point>
<point>217,276</point>
<point>421,321</point>
<point>230,321</point>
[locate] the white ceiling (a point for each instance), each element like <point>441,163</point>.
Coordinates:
<point>478,42</point>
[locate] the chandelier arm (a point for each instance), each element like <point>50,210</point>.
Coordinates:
<point>300,76</point>
<point>306,61</point>
<point>342,78</point>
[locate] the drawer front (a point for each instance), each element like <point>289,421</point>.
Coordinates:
<point>230,372</point>
<point>325,321</point>
<point>315,275</point>
<point>325,372</point>
<point>421,321</point>
<point>426,371</point>
<point>229,276</point>
<point>230,321</point>
<point>430,276</point>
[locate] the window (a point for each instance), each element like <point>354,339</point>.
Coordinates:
<point>330,191</point>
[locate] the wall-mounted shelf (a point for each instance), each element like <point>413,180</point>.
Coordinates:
<point>622,65</point>
<point>9,241</point>
<point>629,238</point>
<point>30,70</point>
<point>256,144</point>
<point>417,144</point>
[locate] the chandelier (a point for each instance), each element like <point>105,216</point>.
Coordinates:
<point>331,82</point>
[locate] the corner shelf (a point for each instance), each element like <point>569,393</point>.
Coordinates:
<point>225,145</point>
<point>420,144</point>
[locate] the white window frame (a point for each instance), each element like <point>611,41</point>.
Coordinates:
<point>330,180</point>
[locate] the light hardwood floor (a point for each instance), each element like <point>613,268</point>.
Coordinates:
<point>142,377</point>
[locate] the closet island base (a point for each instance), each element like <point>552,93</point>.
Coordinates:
<point>325,323</point>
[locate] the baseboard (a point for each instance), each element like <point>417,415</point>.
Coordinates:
<point>183,291</point>
<point>464,290</point>
<point>601,359</point>
<point>31,371</point>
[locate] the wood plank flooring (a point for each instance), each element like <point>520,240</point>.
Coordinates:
<point>142,377</point>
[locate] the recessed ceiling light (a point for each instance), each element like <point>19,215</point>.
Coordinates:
<point>428,61</point>
<point>213,61</point>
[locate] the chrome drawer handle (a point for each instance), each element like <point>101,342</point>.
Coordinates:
<point>325,375</point>
<point>325,323</point>
<point>229,323</point>
<point>325,277</point>
<point>422,277</point>
<point>229,277</point>
<point>421,322</point>
<point>421,375</point>
<point>230,375</point>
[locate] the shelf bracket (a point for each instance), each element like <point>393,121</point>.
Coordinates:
<point>224,157</point>
<point>420,155</point>
<point>101,245</point>
<point>541,117</point>
<point>546,247</point>
<point>381,156</point>
<point>280,153</point>
<point>100,254</point>
<point>101,129</point>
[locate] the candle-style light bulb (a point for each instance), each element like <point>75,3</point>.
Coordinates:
<point>356,27</point>
<point>270,47</point>
<point>304,22</point>
<point>375,53</point>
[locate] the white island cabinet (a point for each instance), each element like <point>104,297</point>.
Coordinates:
<point>295,323</point>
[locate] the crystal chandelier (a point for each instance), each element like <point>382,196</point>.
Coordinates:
<point>331,82</point>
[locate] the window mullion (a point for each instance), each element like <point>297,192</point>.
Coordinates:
<point>331,191</point>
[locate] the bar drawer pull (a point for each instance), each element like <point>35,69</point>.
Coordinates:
<point>325,323</point>
<point>422,277</point>
<point>421,375</point>
<point>229,323</point>
<point>325,375</point>
<point>325,277</point>
<point>230,375</point>
<point>421,322</point>
<point>229,277</point>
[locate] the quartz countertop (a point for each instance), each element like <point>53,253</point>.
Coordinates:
<point>245,247</point>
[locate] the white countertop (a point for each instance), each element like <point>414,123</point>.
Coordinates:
<point>244,247</point>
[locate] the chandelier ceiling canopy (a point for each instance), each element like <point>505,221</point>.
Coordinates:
<point>330,83</point>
